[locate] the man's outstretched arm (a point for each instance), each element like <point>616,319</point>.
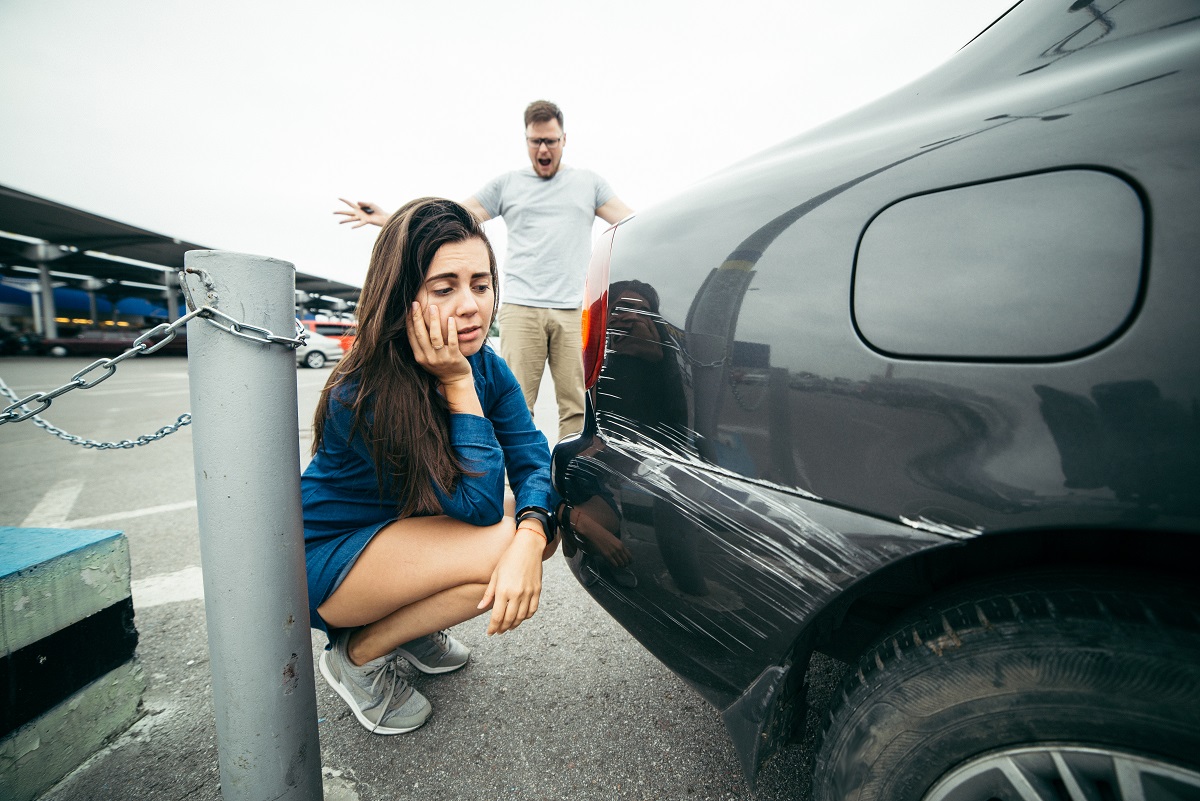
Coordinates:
<point>475,207</point>
<point>613,211</point>
<point>362,213</point>
<point>365,212</point>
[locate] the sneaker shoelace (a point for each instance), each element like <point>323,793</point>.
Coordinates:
<point>386,674</point>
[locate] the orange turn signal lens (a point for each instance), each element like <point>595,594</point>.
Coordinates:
<point>595,308</point>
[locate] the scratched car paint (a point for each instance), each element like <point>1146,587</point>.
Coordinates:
<point>919,390</point>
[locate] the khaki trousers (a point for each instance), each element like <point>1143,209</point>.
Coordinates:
<point>531,336</point>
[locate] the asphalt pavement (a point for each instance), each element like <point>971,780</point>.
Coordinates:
<point>568,706</point>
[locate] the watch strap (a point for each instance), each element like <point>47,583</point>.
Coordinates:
<point>542,516</point>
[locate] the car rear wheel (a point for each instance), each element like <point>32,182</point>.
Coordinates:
<point>1051,689</point>
<point>1066,772</point>
<point>314,359</point>
<point>59,351</point>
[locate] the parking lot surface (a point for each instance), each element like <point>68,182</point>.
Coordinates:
<point>567,706</point>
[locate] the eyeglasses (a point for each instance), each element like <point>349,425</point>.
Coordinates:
<point>553,144</point>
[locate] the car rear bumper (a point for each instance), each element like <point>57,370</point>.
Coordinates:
<point>720,577</point>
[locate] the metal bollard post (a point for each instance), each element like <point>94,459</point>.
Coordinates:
<point>247,459</point>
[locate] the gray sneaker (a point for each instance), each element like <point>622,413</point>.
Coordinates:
<point>435,653</point>
<point>379,696</point>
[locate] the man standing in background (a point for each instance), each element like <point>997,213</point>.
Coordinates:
<point>548,209</point>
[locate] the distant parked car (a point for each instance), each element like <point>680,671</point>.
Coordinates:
<point>14,343</point>
<point>342,330</point>
<point>107,343</point>
<point>319,350</point>
<point>920,390</point>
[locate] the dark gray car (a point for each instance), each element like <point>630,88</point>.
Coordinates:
<point>921,390</point>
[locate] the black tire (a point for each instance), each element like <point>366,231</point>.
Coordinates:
<point>1038,674</point>
<point>314,359</point>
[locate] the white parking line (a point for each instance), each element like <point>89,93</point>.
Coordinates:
<point>54,506</point>
<point>86,522</point>
<point>182,585</point>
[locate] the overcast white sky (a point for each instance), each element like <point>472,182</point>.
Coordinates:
<point>238,124</point>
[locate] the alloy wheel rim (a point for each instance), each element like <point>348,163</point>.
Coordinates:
<point>1066,773</point>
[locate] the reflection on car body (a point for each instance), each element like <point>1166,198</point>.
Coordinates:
<point>932,410</point>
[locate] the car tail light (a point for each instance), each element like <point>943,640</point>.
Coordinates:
<point>595,308</point>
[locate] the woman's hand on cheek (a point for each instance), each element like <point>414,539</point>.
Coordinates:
<point>436,353</point>
<point>443,360</point>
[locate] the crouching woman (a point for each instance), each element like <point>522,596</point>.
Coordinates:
<point>407,526</point>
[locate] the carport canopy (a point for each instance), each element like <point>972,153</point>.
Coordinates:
<point>60,245</point>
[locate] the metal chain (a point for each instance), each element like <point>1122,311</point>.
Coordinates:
<point>233,326</point>
<point>183,420</point>
<point>18,410</point>
<point>746,405</point>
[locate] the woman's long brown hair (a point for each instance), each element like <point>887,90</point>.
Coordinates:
<point>396,407</point>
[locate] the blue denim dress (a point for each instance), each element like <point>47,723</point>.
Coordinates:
<point>340,491</point>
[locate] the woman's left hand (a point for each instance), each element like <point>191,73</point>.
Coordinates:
<point>516,584</point>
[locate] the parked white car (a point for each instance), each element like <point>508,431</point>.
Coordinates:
<point>318,350</point>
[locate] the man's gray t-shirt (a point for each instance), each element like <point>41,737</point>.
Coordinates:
<point>549,233</point>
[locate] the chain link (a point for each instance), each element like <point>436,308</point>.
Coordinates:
<point>742,402</point>
<point>183,420</point>
<point>19,409</point>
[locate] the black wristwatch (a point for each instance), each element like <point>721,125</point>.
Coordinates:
<point>539,514</point>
